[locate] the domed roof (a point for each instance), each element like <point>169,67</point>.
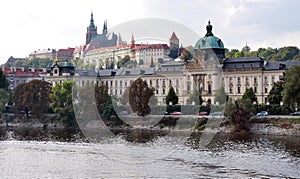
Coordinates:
<point>63,64</point>
<point>209,40</point>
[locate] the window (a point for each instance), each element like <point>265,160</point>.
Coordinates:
<point>116,91</point>
<point>150,82</point>
<point>266,79</point>
<point>188,88</point>
<point>247,79</point>
<point>273,78</point>
<point>255,79</point>
<point>157,91</point>
<point>121,83</point>
<point>239,79</point>
<point>238,90</point>
<point>164,91</point>
<point>230,90</point>
<point>157,81</point>
<point>266,90</point>
<point>170,82</point>
<point>164,82</point>
<point>255,89</point>
<point>116,83</point>
<point>230,79</point>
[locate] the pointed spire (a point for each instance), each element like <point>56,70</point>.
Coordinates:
<point>92,25</point>
<point>132,39</point>
<point>173,36</point>
<point>120,42</point>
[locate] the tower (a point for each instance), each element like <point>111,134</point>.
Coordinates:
<point>91,31</point>
<point>120,42</point>
<point>104,31</point>
<point>174,46</point>
<point>173,41</point>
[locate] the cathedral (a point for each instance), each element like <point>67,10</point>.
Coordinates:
<point>95,40</point>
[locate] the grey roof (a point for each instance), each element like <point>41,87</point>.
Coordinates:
<point>86,73</point>
<point>283,65</point>
<point>106,72</point>
<point>135,71</point>
<point>243,59</point>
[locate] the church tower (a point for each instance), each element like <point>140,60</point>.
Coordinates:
<point>173,41</point>
<point>174,46</point>
<point>91,31</point>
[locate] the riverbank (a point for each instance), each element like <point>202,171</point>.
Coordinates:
<point>257,125</point>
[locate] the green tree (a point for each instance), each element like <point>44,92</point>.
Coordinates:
<point>160,60</point>
<point>196,97</point>
<point>249,94</point>
<point>103,101</point>
<point>123,62</point>
<point>4,99</point>
<point>186,55</point>
<point>32,96</point>
<point>275,96</point>
<point>139,96</point>
<point>62,104</point>
<point>171,97</point>
<point>221,96</point>
<point>291,87</point>
<point>3,81</point>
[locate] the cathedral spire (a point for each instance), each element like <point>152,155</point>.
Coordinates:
<point>92,25</point>
<point>132,39</point>
<point>105,26</point>
<point>120,42</point>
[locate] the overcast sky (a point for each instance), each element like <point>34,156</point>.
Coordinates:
<point>37,24</point>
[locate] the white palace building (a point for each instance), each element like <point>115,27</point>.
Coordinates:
<point>206,72</point>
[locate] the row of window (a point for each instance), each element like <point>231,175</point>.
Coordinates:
<point>240,92</point>
<point>273,79</point>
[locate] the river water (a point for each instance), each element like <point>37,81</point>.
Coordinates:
<point>28,153</point>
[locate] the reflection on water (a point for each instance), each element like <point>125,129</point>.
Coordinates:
<point>32,153</point>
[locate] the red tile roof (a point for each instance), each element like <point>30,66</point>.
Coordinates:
<point>23,72</point>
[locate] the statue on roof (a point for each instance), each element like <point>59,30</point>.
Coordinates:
<point>209,30</point>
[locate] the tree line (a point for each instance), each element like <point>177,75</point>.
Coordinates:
<point>271,54</point>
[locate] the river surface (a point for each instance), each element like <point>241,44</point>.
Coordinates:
<point>31,153</point>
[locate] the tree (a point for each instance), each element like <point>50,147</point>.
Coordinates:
<point>62,104</point>
<point>275,96</point>
<point>171,97</point>
<point>291,87</point>
<point>186,55</point>
<point>249,94</point>
<point>139,96</point>
<point>160,60</point>
<point>4,99</point>
<point>152,63</point>
<point>196,97</point>
<point>221,96</point>
<point>123,62</point>
<point>103,101</point>
<point>32,96</point>
<point>3,81</point>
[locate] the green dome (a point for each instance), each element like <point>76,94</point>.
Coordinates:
<point>63,64</point>
<point>209,41</point>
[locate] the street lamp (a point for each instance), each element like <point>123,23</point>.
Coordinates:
<point>256,105</point>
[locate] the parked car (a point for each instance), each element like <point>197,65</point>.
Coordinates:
<point>175,113</point>
<point>217,113</point>
<point>203,113</point>
<point>262,113</point>
<point>297,113</point>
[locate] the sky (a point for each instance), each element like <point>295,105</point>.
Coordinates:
<point>30,25</point>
